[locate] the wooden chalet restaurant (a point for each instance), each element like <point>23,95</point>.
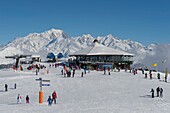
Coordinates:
<point>98,56</point>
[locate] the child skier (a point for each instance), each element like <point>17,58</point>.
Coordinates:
<point>49,101</point>
<point>19,99</point>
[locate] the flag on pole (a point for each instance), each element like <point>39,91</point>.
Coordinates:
<point>154,65</point>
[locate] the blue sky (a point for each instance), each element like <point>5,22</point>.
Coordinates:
<point>145,21</point>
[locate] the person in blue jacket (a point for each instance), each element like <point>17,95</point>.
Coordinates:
<point>50,101</point>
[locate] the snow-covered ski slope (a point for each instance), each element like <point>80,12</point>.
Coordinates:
<point>120,92</point>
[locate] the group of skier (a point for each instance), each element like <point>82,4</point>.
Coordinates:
<point>159,92</point>
<point>53,99</point>
<point>67,73</point>
<point>150,74</point>
<point>19,99</point>
<point>6,86</point>
<point>104,69</point>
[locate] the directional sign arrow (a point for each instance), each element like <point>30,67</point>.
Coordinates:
<point>46,80</point>
<point>45,84</point>
<point>38,79</point>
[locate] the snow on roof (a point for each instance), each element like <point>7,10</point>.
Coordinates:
<point>33,56</point>
<point>99,49</point>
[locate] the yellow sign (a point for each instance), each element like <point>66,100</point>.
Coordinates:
<point>154,65</point>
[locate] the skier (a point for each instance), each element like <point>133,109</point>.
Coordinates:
<point>19,99</point>
<point>62,71</point>
<point>145,75</point>
<point>119,69</point>
<point>49,101</point>
<point>36,71</point>
<point>27,99</point>
<point>104,70</point>
<point>150,75</point>
<point>15,86</point>
<point>161,92</point>
<point>21,68</point>
<point>158,75</point>
<point>134,71</point>
<point>130,70</point>
<point>150,71</point>
<point>157,91</point>
<point>166,75</point>
<point>6,87</point>
<point>73,72</point>
<point>108,70</point>
<point>54,97</point>
<point>84,70</point>
<point>152,91</point>
<point>82,74</point>
<point>142,71</point>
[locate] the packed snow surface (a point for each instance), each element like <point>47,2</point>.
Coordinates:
<point>120,92</point>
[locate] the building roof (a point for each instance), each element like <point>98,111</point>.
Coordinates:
<point>33,56</point>
<point>99,49</point>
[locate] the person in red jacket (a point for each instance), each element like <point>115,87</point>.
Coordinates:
<point>54,97</point>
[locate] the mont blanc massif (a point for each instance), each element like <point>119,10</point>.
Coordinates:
<point>56,41</point>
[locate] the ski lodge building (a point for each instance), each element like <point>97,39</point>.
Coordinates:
<point>99,56</point>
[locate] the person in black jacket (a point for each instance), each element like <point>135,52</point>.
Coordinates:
<point>152,91</point>
<point>161,92</point>
<point>6,87</point>
<point>157,91</point>
<point>27,99</point>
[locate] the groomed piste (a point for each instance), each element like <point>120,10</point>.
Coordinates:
<point>120,92</point>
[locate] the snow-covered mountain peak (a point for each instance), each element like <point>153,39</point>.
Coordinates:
<point>55,40</point>
<point>86,36</point>
<point>57,32</point>
<point>54,33</point>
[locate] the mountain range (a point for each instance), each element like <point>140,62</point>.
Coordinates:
<point>56,41</point>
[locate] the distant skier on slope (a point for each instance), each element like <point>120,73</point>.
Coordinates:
<point>157,91</point>
<point>143,71</point>
<point>73,73</point>
<point>152,91</point>
<point>145,75</point>
<point>81,74</point>
<point>104,69</point>
<point>19,99</point>
<point>108,70</point>
<point>6,87</point>
<point>27,99</point>
<point>15,86</point>
<point>158,75</point>
<point>161,92</point>
<point>150,75</point>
